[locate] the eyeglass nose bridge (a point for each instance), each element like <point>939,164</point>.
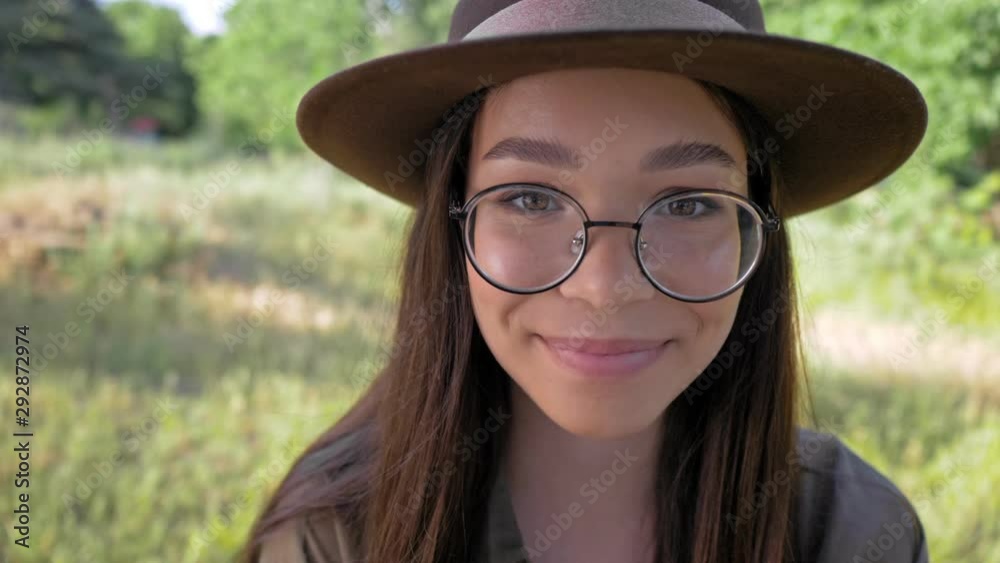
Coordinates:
<point>587,224</point>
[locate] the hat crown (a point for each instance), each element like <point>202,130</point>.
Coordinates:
<point>469,14</point>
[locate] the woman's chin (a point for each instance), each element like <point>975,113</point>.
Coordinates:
<point>604,425</point>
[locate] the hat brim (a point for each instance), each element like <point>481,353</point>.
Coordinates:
<point>369,119</point>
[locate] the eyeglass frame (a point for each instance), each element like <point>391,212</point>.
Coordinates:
<point>767,220</point>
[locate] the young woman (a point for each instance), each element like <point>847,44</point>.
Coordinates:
<point>596,356</point>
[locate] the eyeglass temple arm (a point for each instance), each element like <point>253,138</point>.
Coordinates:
<point>772,222</point>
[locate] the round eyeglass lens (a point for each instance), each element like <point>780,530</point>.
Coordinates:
<point>524,237</point>
<point>699,245</point>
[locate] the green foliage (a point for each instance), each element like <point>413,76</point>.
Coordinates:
<point>912,246</point>
<point>170,476</point>
<point>150,30</point>
<point>305,39</point>
<point>427,22</point>
<point>68,54</point>
<point>157,36</point>
<point>57,50</point>
<point>951,51</point>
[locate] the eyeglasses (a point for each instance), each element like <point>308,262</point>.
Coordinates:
<point>695,245</point>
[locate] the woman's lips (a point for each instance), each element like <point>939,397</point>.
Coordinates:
<point>604,358</point>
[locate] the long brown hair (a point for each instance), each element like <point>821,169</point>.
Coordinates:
<point>393,468</point>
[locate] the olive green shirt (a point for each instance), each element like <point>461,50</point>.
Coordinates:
<point>847,513</point>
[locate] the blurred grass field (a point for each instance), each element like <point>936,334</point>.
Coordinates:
<point>252,312</point>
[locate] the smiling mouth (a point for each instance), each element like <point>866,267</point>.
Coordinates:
<point>610,346</point>
<point>604,358</point>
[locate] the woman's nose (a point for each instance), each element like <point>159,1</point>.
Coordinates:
<point>609,271</point>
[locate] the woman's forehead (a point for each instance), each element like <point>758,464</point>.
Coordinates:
<point>607,124</point>
<point>620,111</point>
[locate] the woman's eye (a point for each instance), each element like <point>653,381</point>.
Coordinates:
<point>683,208</point>
<point>531,201</point>
<point>687,208</point>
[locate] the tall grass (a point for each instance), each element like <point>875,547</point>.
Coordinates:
<point>123,473</point>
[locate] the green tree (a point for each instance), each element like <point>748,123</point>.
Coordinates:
<point>425,22</point>
<point>254,74</point>
<point>156,36</point>
<point>150,30</point>
<point>59,51</point>
<point>951,51</point>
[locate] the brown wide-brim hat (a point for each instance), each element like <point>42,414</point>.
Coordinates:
<point>858,119</point>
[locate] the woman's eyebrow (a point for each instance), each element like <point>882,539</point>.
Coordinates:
<point>679,154</point>
<point>682,154</point>
<point>551,153</point>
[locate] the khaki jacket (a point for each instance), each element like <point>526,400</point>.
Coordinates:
<point>848,512</point>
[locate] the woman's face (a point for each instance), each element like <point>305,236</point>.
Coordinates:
<point>610,119</point>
